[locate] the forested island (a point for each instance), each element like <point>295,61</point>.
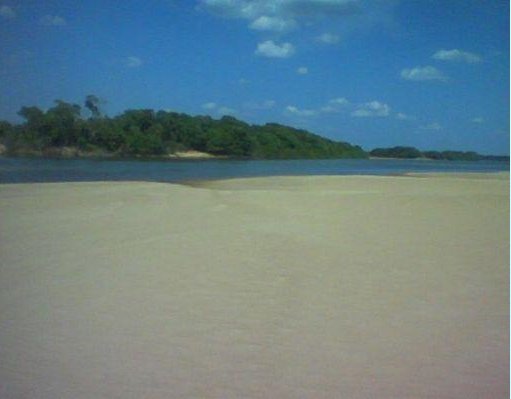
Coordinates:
<point>70,130</point>
<point>414,153</point>
<point>63,130</point>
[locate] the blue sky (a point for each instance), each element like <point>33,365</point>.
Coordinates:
<point>431,74</point>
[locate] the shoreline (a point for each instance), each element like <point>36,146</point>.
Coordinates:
<point>201,156</point>
<point>493,175</point>
<point>141,289</point>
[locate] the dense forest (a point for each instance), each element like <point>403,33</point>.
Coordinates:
<point>146,132</point>
<point>414,153</point>
<point>72,130</point>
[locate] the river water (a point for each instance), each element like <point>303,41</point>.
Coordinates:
<point>27,170</point>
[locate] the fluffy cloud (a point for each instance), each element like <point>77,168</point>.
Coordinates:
<point>219,109</point>
<point>371,109</point>
<point>328,38</point>
<point>423,74</point>
<point>52,20</point>
<point>315,8</point>
<point>267,104</point>
<point>335,105</point>
<point>272,50</point>
<point>291,109</point>
<point>339,101</point>
<point>233,8</point>
<point>209,106</point>
<point>250,9</point>
<point>7,12</point>
<point>302,71</point>
<point>275,24</point>
<point>431,126</point>
<point>133,62</point>
<point>226,111</point>
<point>457,55</point>
<point>284,15</point>
<point>404,117</point>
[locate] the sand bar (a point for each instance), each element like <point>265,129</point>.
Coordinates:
<point>285,287</point>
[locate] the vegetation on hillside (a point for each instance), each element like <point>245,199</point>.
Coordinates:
<point>63,130</point>
<point>146,132</point>
<point>414,153</point>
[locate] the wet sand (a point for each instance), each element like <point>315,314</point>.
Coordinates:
<point>285,287</point>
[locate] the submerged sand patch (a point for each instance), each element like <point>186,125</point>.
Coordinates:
<point>288,287</point>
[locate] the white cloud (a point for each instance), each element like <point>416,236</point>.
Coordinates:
<point>226,111</point>
<point>250,9</point>
<point>291,109</point>
<point>319,8</point>
<point>302,71</point>
<point>275,24</point>
<point>339,101</point>
<point>218,109</point>
<point>133,62</point>
<point>52,20</point>
<point>335,105</point>
<point>371,109</point>
<point>457,55</point>
<point>272,50</point>
<point>404,117</point>
<point>343,105</point>
<point>328,38</point>
<point>478,120</point>
<point>7,12</point>
<point>209,106</point>
<point>423,74</point>
<point>267,104</point>
<point>431,126</point>
<point>233,8</point>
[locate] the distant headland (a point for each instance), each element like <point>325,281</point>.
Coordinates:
<point>62,131</point>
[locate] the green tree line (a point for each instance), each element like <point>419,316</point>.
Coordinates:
<point>145,132</point>
<point>414,153</point>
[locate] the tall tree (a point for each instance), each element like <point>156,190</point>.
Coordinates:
<point>92,103</point>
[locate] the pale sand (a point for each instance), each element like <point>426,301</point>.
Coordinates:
<point>296,287</point>
<point>192,155</point>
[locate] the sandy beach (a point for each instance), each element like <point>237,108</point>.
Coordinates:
<point>283,287</point>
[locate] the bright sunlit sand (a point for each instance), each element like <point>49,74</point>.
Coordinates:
<point>282,287</point>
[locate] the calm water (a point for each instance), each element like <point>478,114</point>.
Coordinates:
<point>24,170</point>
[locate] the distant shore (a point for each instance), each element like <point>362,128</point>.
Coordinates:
<point>279,287</point>
<point>75,153</point>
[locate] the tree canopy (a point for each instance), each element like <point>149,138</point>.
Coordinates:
<point>414,153</point>
<point>145,132</point>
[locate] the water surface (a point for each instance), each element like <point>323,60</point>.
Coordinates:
<point>27,170</point>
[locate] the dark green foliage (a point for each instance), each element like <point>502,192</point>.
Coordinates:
<point>92,104</point>
<point>453,155</point>
<point>146,132</point>
<point>396,152</point>
<point>5,128</point>
<point>142,143</point>
<point>411,152</point>
<point>277,141</point>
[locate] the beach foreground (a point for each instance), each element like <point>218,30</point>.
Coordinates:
<point>284,287</point>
